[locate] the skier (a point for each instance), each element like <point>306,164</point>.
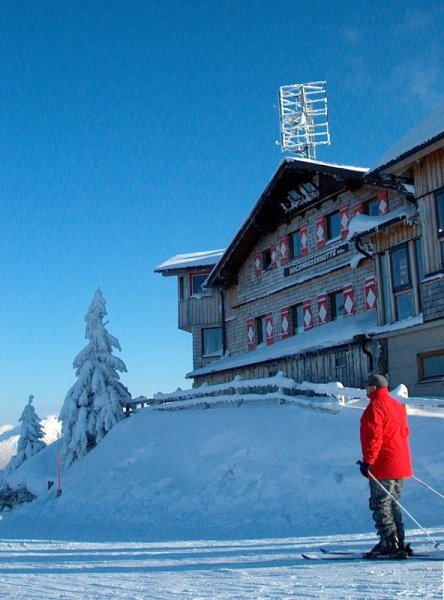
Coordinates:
<point>386,455</point>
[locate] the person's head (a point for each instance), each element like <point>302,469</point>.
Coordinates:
<point>376,381</point>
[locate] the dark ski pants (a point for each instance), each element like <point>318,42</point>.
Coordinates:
<point>386,513</point>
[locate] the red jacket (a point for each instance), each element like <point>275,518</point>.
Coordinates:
<point>384,437</point>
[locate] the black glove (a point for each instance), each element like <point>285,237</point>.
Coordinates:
<point>364,468</point>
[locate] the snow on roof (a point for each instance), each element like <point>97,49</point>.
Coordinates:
<point>187,261</point>
<point>427,130</point>
<point>326,164</point>
<point>363,223</point>
<point>324,336</point>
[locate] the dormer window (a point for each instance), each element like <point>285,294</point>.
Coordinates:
<point>302,194</point>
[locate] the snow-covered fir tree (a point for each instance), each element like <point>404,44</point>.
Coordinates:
<point>31,437</point>
<point>94,404</point>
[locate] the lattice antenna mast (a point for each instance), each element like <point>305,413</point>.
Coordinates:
<point>303,117</point>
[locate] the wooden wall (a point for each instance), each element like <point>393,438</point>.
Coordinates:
<point>429,177</point>
<point>321,367</point>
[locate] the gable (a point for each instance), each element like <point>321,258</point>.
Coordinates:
<point>298,184</point>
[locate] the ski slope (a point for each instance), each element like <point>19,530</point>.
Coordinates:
<point>261,569</point>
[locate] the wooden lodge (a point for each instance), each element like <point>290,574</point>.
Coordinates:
<point>337,271</point>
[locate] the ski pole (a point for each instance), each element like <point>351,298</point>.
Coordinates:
<point>436,544</point>
<point>428,487</point>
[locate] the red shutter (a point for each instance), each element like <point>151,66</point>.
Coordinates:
<point>308,314</point>
<point>349,301</point>
<point>322,308</point>
<point>371,297</point>
<point>250,334</point>
<point>320,231</point>
<point>304,240</point>
<point>285,322</point>
<point>269,331</point>
<point>358,209</point>
<point>344,220</point>
<point>284,249</point>
<point>258,264</point>
<point>274,256</point>
<point>383,205</point>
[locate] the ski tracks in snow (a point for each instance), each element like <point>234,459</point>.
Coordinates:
<point>269,569</point>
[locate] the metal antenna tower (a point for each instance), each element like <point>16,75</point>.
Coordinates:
<point>303,117</point>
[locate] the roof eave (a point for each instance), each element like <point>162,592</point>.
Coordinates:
<point>401,163</point>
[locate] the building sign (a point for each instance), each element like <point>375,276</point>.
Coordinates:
<point>316,260</point>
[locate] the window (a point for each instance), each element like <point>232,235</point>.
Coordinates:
<point>431,365</point>
<point>386,289</point>
<point>402,282</point>
<point>419,265</point>
<point>440,213</point>
<point>337,305</point>
<point>266,259</point>
<point>297,319</point>
<point>261,331</point>
<point>181,288</point>
<point>295,245</point>
<point>196,282</point>
<point>212,341</point>
<point>333,225</point>
<point>397,284</point>
<point>371,207</point>
<point>440,219</point>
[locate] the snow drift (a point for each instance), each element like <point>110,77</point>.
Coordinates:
<point>237,472</point>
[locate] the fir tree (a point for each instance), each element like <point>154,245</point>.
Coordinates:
<point>94,404</point>
<point>31,437</point>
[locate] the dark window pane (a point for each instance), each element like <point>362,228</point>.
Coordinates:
<point>266,259</point>
<point>400,268</point>
<point>440,213</point>
<point>433,366</point>
<point>372,208</point>
<point>211,341</point>
<point>298,319</point>
<point>337,305</point>
<point>405,307</point>
<point>333,225</point>
<point>196,283</point>
<point>295,244</point>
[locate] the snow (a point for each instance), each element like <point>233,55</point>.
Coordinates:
<point>323,336</point>
<point>187,261</point>
<point>220,503</point>
<point>260,569</point>
<point>427,130</point>
<point>327,164</point>
<point>364,223</point>
<point>9,436</point>
<point>94,403</point>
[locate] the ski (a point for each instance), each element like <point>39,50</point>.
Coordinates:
<point>345,555</point>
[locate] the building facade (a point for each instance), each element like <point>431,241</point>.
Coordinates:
<point>337,271</point>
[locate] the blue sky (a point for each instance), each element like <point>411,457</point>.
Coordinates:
<point>132,131</point>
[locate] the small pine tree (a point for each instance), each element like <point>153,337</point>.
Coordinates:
<point>31,437</point>
<point>94,404</point>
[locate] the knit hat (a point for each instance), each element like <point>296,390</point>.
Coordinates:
<point>377,380</point>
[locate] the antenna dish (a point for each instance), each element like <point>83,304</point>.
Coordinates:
<point>303,117</point>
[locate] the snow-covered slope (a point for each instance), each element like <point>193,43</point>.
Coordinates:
<point>9,436</point>
<point>238,472</point>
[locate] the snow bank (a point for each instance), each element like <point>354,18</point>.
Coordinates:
<point>241,472</point>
